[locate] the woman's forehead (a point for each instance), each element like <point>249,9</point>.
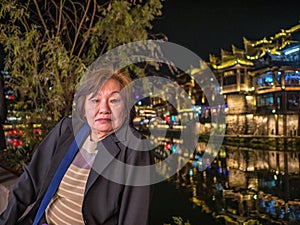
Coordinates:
<point>110,87</point>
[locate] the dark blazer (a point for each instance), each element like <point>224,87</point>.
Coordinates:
<point>3,113</point>
<point>105,202</point>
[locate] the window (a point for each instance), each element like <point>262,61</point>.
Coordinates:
<point>265,100</point>
<point>292,78</point>
<point>228,80</point>
<point>265,80</point>
<point>293,101</point>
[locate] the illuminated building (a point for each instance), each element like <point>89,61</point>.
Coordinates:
<point>261,85</point>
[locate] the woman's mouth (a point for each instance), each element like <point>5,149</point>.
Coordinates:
<point>103,120</point>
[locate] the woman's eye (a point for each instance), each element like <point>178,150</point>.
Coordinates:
<point>115,100</point>
<point>94,100</point>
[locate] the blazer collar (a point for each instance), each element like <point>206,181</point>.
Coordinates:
<point>108,149</point>
<point>121,134</point>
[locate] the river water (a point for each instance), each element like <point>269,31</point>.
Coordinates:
<point>240,186</point>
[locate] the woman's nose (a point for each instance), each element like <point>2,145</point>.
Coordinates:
<point>104,107</point>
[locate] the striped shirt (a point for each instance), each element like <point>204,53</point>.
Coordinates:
<point>66,205</point>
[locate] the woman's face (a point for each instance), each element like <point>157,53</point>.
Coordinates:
<point>105,112</point>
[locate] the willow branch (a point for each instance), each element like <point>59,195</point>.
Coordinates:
<point>72,11</point>
<point>79,28</point>
<point>89,29</point>
<point>59,17</point>
<point>42,19</point>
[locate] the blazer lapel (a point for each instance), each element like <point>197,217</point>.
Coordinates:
<point>107,152</point>
<point>106,163</point>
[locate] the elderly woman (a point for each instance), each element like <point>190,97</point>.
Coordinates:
<point>63,183</point>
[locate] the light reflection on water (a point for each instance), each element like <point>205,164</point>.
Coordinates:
<point>242,183</point>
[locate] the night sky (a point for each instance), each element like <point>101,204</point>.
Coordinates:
<point>206,27</point>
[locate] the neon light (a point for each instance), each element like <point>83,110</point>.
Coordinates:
<point>292,51</point>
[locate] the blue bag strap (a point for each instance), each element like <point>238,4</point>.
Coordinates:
<point>60,172</point>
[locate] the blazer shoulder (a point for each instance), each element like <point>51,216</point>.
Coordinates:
<point>137,133</point>
<point>64,124</point>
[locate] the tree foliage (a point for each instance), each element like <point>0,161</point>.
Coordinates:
<point>49,44</point>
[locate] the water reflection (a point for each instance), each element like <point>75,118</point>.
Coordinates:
<point>248,186</point>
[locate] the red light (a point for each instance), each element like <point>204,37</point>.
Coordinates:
<point>167,119</point>
<point>168,146</point>
<point>16,143</point>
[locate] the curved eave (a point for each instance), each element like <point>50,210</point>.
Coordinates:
<point>231,63</point>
